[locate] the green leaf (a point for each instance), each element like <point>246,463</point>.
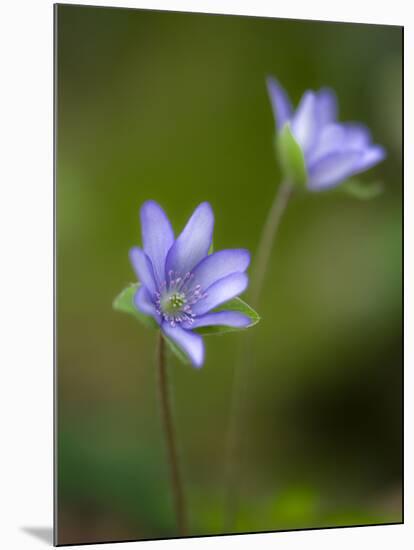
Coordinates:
<point>125,302</point>
<point>291,157</point>
<point>362,191</point>
<point>236,304</point>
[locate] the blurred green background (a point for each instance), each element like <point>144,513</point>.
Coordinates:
<point>173,107</point>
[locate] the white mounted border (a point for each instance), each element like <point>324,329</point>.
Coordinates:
<point>26,229</point>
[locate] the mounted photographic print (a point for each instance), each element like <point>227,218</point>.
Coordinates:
<point>228,230</point>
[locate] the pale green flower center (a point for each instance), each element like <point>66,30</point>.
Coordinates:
<point>173,302</point>
<point>176,297</point>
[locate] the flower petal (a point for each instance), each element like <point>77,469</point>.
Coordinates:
<point>193,243</point>
<point>191,344</point>
<point>326,107</point>
<point>221,291</point>
<point>357,136</point>
<point>331,169</point>
<point>330,139</point>
<point>371,156</point>
<point>143,268</point>
<point>304,122</point>
<point>281,106</point>
<point>222,318</point>
<point>143,302</point>
<point>219,265</point>
<point>157,236</point>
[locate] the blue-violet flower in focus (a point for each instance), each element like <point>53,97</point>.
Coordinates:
<point>332,151</point>
<point>181,283</point>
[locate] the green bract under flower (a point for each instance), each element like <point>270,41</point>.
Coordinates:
<point>291,157</point>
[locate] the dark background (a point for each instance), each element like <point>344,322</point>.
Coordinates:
<point>173,107</point>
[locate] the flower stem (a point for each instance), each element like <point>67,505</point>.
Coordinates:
<point>267,239</point>
<point>170,439</point>
<point>241,370</point>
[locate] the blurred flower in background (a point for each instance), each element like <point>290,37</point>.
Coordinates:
<point>332,151</point>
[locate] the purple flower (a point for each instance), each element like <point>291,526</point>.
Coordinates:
<point>332,151</point>
<point>181,284</point>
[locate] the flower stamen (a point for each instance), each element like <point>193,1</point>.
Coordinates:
<point>175,298</point>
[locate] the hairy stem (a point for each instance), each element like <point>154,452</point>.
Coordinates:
<point>170,439</point>
<point>241,370</point>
